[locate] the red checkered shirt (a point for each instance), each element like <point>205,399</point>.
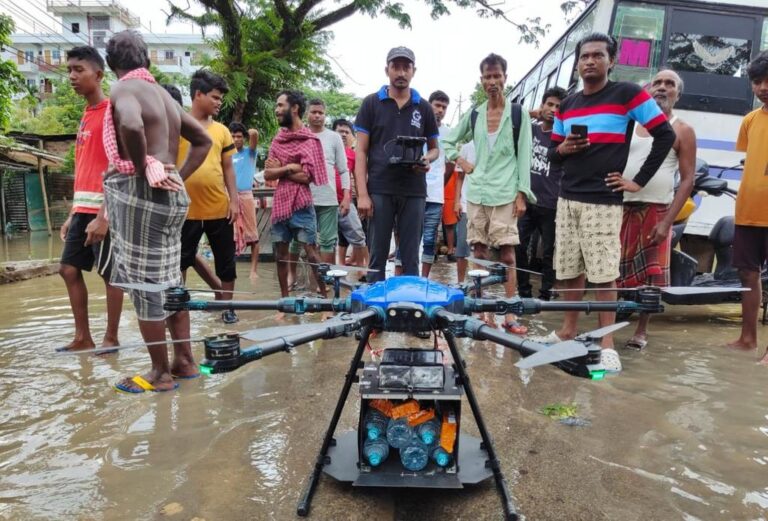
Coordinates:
<point>301,147</point>
<point>154,171</point>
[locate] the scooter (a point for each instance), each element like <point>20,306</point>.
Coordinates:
<point>684,268</point>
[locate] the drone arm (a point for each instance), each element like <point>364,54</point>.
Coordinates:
<point>492,280</point>
<point>531,306</point>
<point>224,359</point>
<point>298,305</point>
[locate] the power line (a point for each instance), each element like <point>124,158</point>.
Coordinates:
<point>27,17</point>
<point>141,24</point>
<point>22,53</point>
<point>46,13</point>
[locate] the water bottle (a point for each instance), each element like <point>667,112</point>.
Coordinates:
<point>440,456</point>
<point>375,424</point>
<point>415,454</point>
<point>375,451</point>
<point>399,433</point>
<point>428,431</point>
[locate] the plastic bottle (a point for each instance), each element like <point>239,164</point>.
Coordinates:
<point>415,454</point>
<point>376,451</point>
<point>399,433</point>
<point>440,456</point>
<point>375,424</point>
<point>429,431</point>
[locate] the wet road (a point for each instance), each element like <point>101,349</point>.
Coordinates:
<point>681,434</point>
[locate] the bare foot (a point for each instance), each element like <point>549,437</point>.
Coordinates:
<point>489,319</point>
<point>742,345</point>
<point>280,317</point>
<point>253,275</point>
<point>184,367</point>
<point>160,383</point>
<point>109,342</point>
<point>79,345</point>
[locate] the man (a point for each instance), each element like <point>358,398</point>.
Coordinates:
<point>201,266</point>
<point>545,184</point>
<point>214,207</point>
<point>436,178</point>
<point>750,241</point>
<point>394,192</point>
<point>244,163</point>
<point>147,202</point>
<point>499,183</point>
<point>467,153</point>
<point>351,229</point>
<point>589,213</point>
<point>86,232</point>
<point>296,159</point>
<point>324,197</point>
<point>646,241</point>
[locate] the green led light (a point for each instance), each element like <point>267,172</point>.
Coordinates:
<point>597,375</point>
<point>206,369</point>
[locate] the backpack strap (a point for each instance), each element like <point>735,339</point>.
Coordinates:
<point>473,121</point>
<point>517,122</point>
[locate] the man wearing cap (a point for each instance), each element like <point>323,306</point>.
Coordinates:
<point>396,193</point>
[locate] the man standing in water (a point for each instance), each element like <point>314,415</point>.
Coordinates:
<point>86,232</point>
<point>147,202</point>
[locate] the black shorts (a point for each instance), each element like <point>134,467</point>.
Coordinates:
<point>750,247</point>
<point>221,237</point>
<point>83,257</point>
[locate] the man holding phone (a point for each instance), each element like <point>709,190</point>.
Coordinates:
<point>591,141</point>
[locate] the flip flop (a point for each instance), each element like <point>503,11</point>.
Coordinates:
<point>514,327</point>
<point>143,386</point>
<point>637,344</point>
<point>190,377</point>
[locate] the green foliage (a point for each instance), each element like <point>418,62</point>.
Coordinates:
<point>337,104</point>
<point>479,96</point>
<point>171,78</point>
<point>269,45</point>
<point>11,80</point>
<point>558,411</point>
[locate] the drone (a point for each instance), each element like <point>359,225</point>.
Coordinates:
<point>407,304</point>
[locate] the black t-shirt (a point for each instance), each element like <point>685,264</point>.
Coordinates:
<point>545,176</point>
<point>381,118</point>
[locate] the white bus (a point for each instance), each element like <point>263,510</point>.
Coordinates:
<point>708,43</point>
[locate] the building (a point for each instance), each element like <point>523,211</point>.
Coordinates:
<point>69,23</point>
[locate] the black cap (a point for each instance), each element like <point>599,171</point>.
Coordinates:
<point>401,52</point>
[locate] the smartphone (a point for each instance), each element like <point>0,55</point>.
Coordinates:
<point>580,130</point>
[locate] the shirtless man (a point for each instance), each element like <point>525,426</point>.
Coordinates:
<point>148,206</point>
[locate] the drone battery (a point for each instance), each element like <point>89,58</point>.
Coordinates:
<point>411,369</point>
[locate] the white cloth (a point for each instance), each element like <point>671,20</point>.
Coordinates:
<point>467,153</point>
<point>661,188</point>
<point>492,139</point>
<point>333,150</point>
<point>435,176</point>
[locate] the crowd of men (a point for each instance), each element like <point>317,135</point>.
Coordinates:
<point>592,175</point>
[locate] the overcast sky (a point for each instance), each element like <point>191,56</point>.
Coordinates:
<point>448,51</point>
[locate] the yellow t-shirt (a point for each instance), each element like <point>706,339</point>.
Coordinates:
<point>207,191</point>
<point>751,209</point>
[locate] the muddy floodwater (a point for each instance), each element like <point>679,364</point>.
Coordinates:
<point>682,433</point>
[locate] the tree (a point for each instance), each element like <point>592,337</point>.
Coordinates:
<point>266,45</point>
<point>479,96</point>
<point>337,104</point>
<point>59,113</point>
<point>11,80</point>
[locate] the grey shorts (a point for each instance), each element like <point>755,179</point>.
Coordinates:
<point>351,228</point>
<point>462,246</point>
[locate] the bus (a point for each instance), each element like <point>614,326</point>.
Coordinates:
<point>708,43</point>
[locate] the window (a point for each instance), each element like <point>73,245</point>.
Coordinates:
<point>20,57</point>
<point>100,22</point>
<point>764,39</point>
<point>75,27</point>
<point>553,59</point>
<point>539,93</point>
<point>579,32</point>
<point>29,56</point>
<point>99,39</point>
<point>169,56</point>
<point>187,54</point>
<point>639,30</point>
<point>709,54</point>
<point>565,74</point>
<point>56,56</point>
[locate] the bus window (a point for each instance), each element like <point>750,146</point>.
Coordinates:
<point>763,47</point>
<point>553,59</point>
<point>579,32</point>
<point>565,74</point>
<point>638,30</point>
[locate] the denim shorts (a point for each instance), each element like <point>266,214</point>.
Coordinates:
<point>301,226</point>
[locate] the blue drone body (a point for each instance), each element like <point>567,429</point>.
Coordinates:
<point>415,290</point>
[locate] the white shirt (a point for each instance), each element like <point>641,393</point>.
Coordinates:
<point>467,153</point>
<point>436,173</point>
<point>661,188</point>
<point>333,150</point>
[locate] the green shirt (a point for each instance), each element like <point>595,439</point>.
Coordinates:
<point>498,175</point>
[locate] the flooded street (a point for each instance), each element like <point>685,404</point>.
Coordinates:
<point>682,433</point>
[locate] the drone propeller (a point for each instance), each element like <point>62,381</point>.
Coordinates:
<point>597,334</point>
<point>333,266</point>
<point>151,287</point>
<point>670,290</point>
<point>491,264</point>
<point>554,353</point>
<point>134,345</point>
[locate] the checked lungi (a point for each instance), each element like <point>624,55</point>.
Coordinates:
<point>643,263</point>
<point>145,225</point>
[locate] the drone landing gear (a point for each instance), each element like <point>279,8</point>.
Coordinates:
<point>477,458</point>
